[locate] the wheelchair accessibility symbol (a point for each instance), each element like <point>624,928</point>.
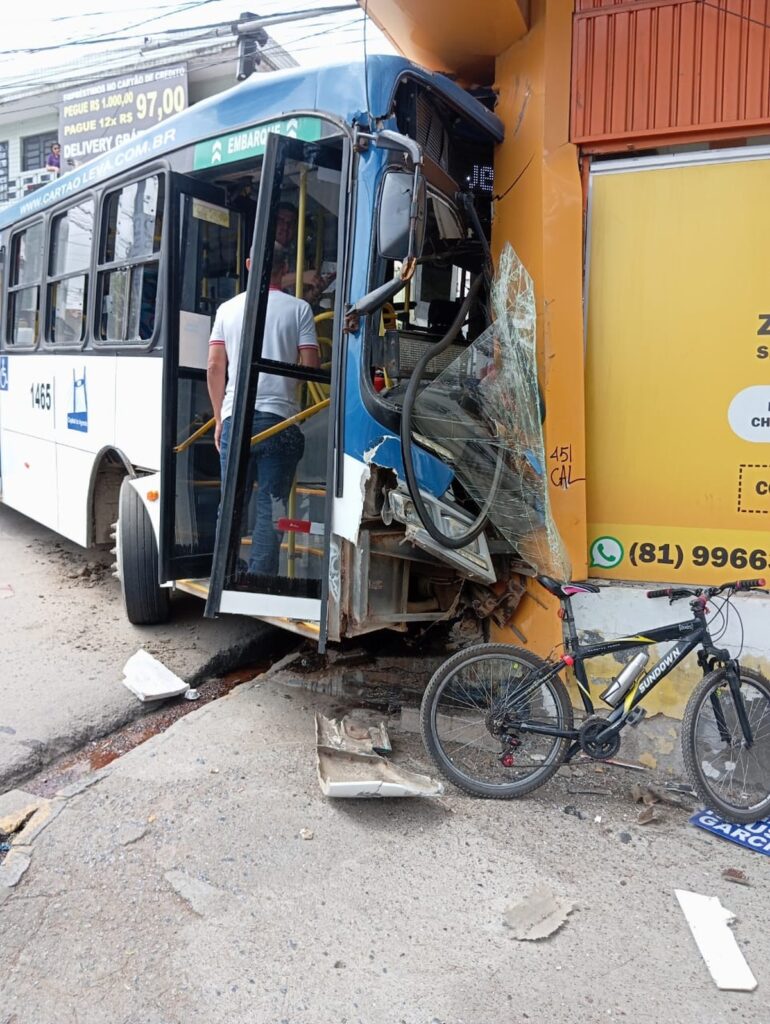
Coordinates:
<point>3,373</point>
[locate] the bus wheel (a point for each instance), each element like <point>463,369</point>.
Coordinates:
<point>146,603</point>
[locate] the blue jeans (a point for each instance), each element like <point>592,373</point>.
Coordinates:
<point>272,465</point>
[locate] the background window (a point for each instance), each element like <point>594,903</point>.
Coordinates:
<point>129,263</point>
<point>35,148</point>
<point>24,286</point>
<point>133,220</point>
<point>69,260</point>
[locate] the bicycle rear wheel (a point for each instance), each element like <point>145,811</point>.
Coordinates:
<point>729,777</point>
<point>471,718</point>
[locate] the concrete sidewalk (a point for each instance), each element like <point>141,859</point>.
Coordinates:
<point>64,640</point>
<point>178,888</point>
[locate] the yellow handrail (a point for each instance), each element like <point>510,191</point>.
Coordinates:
<point>194,437</point>
<point>316,393</point>
<point>296,418</point>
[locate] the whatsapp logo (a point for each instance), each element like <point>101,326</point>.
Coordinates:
<point>606,553</point>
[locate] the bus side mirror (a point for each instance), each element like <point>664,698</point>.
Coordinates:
<point>401,219</point>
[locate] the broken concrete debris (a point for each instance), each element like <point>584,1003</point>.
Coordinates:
<point>149,679</point>
<point>648,815</point>
<point>574,811</point>
<point>350,767</point>
<point>538,915</point>
<point>23,816</point>
<point>202,897</point>
<point>709,923</point>
<point>736,875</point>
<point>652,794</point>
<point>16,807</point>
<point>130,832</point>
<point>13,867</point>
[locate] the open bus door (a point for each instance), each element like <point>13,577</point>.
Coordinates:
<point>205,267</point>
<point>272,549</point>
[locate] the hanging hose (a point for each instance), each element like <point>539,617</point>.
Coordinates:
<point>406,436</point>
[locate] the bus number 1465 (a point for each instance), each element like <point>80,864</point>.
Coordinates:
<point>40,395</point>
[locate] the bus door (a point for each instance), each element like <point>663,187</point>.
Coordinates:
<point>273,540</point>
<point>205,268</point>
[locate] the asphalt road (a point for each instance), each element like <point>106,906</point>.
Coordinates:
<point>64,640</point>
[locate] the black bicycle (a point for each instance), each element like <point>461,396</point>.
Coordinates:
<point>498,721</point>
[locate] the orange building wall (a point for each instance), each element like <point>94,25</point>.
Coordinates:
<point>542,217</point>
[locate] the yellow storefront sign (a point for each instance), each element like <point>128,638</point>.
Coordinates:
<point>678,370</point>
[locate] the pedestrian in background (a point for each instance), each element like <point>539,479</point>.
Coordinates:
<point>53,161</point>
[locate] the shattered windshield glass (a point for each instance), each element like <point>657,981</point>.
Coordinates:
<point>482,415</point>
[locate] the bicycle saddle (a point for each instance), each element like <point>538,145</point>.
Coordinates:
<point>562,590</point>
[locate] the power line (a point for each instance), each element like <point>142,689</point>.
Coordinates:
<point>118,35</point>
<point>101,13</point>
<point>32,76</point>
<point>275,47</point>
<point>105,37</point>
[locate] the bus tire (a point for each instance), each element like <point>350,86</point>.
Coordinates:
<point>145,601</point>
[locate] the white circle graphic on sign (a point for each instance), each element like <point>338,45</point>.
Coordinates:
<point>749,413</point>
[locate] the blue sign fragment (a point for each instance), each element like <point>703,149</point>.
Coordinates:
<point>754,837</point>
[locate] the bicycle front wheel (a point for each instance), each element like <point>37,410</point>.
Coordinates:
<point>474,715</point>
<point>730,777</point>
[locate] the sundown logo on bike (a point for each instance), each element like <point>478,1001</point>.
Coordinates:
<point>665,663</point>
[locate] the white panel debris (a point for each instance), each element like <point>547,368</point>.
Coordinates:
<point>350,765</point>
<point>148,679</point>
<point>360,776</point>
<point>709,923</point>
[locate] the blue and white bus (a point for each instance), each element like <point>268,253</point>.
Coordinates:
<point>111,277</point>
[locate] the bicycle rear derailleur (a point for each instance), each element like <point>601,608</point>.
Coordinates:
<point>588,738</point>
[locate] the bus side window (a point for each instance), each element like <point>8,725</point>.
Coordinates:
<point>24,287</point>
<point>69,260</point>
<point>129,261</point>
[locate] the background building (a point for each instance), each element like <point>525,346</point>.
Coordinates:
<point>31,103</point>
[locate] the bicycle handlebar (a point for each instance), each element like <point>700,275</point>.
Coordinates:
<point>676,593</point>
<point>671,592</point>
<point>748,584</point>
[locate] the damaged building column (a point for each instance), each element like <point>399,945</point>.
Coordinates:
<point>540,212</point>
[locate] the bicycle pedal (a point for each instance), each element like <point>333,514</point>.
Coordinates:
<point>635,717</point>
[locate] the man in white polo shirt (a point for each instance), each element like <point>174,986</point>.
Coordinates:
<point>289,337</point>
